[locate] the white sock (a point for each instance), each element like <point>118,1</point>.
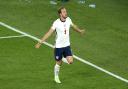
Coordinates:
<point>56,70</point>
<point>65,60</point>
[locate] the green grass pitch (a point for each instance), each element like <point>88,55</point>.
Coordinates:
<point>105,44</point>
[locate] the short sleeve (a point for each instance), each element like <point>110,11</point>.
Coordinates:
<point>71,23</point>
<point>54,26</point>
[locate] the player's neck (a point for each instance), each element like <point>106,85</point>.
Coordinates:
<point>62,19</point>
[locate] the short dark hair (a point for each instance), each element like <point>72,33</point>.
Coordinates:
<point>59,10</point>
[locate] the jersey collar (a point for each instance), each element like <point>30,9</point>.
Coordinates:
<point>62,21</point>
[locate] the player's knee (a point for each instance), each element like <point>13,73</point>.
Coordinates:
<point>59,62</point>
<point>70,61</point>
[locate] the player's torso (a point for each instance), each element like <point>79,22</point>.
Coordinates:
<point>63,28</point>
<point>62,32</point>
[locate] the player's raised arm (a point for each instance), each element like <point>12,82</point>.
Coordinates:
<point>45,37</point>
<point>77,29</point>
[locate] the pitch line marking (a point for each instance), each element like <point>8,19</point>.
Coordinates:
<point>8,37</point>
<point>76,57</point>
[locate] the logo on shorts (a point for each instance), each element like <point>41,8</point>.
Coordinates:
<point>57,57</point>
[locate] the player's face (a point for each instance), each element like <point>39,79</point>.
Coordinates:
<point>63,13</point>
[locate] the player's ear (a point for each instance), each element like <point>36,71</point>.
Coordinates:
<point>59,14</point>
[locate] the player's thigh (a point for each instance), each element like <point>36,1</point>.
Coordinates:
<point>67,51</point>
<point>58,54</point>
<point>68,54</point>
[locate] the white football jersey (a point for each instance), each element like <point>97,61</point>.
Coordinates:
<point>62,32</point>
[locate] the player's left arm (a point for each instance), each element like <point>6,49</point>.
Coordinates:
<point>77,29</point>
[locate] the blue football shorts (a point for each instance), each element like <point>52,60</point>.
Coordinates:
<point>59,53</point>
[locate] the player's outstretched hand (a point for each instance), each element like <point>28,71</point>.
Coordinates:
<point>37,45</point>
<point>82,32</point>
